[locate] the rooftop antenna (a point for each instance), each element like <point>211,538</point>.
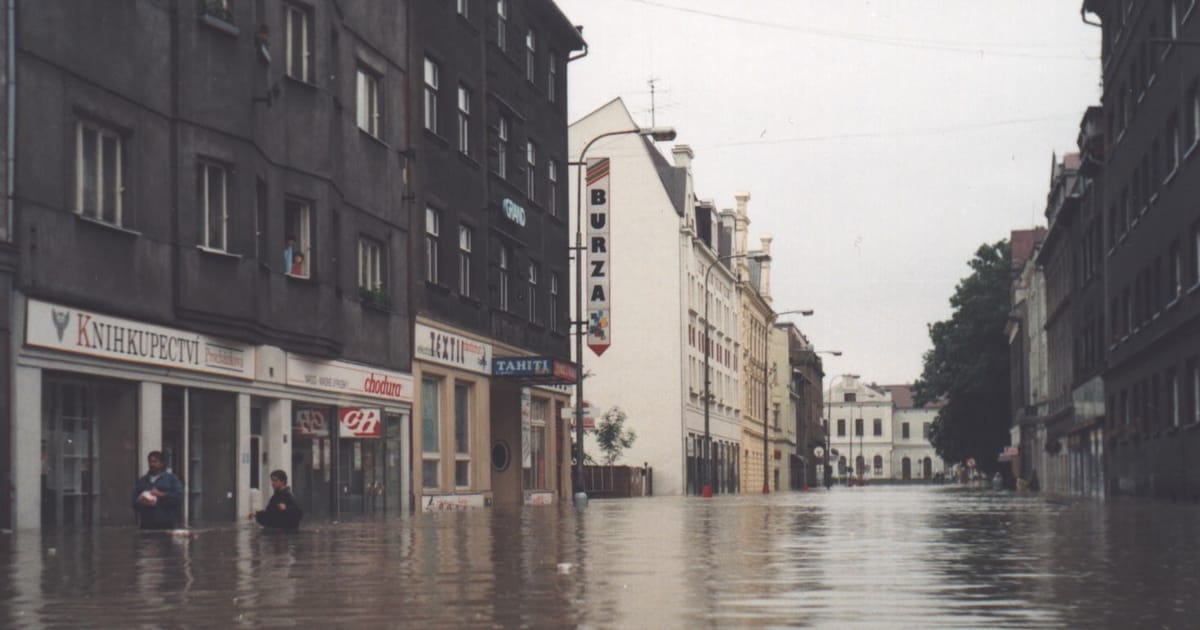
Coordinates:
<point>653,122</point>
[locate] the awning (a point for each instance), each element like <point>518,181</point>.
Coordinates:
<point>536,370</point>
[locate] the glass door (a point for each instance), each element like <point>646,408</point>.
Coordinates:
<point>69,446</point>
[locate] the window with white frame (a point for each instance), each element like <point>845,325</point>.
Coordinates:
<point>552,77</point>
<point>534,271</point>
<point>463,7</point>
<point>212,184</point>
<point>1195,365</point>
<point>465,235</point>
<point>1173,392</point>
<point>1196,253</point>
<point>502,24</point>
<point>370,264</point>
<point>552,187</point>
<point>433,228</point>
<point>530,168</point>
<point>220,9</point>
<point>99,176</point>
<point>297,219</point>
<point>369,117</point>
<point>554,302</point>
<point>502,147</point>
<point>462,435</point>
<point>1174,272</point>
<point>530,56</point>
<point>432,78</point>
<point>535,473</point>
<point>1173,148</point>
<point>504,271</point>
<point>464,120</point>
<point>297,43</point>
<point>431,444</point>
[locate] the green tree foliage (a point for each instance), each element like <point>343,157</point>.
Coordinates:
<point>968,365</point>
<point>611,436</point>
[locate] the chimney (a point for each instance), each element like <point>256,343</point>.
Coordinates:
<point>764,273</point>
<point>683,155</point>
<point>741,226</point>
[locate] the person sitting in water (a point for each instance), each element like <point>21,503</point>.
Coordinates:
<point>157,495</point>
<point>282,511</point>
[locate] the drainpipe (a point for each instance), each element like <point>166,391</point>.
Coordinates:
<point>12,120</point>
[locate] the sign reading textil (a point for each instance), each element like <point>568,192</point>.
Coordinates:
<point>450,349</point>
<point>84,332</point>
<point>599,322</point>
<point>349,378</point>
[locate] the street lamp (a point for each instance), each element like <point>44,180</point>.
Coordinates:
<point>658,134</point>
<point>767,388</point>
<point>828,421</point>
<point>707,474</point>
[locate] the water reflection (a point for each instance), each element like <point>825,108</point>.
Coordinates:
<point>881,557</point>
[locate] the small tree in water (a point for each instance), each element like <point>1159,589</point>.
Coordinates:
<point>611,436</point>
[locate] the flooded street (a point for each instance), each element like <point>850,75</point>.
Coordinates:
<point>878,556</point>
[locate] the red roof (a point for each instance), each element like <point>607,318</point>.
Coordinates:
<point>1023,243</point>
<point>902,397</point>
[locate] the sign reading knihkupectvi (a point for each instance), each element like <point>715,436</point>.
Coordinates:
<point>598,271</point>
<point>70,329</point>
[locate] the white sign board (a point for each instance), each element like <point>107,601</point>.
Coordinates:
<point>439,346</point>
<point>599,250</point>
<point>70,329</point>
<point>349,378</point>
<point>359,422</point>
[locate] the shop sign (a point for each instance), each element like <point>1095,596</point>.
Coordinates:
<point>78,331</point>
<point>439,502</point>
<point>447,348</point>
<point>360,422</point>
<point>513,211</point>
<point>526,428</point>
<point>349,378</point>
<point>599,251</point>
<point>539,498</point>
<point>310,422</point>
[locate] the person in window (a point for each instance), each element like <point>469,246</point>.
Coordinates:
<point>297,264</point>
<point>158,495</point>
<point>289,250</point>
<point>282,511</point>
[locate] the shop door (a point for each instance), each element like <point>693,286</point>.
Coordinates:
<point>69,451</point>
<point>312,461</point>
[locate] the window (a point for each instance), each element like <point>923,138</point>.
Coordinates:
<point>369,117</point>
<point>554,302</point>
<point>552,187</point>
<point>297,245</point>
<point>849,397</point>
<point>530,168</point>
<point>1192,116</point>
<point>212,193</point>
<point>220,9</point>
<point>1196,253</point>
<point>1173,397</point>
<point>99,176</point>
<point>533,283</point>
<point>1172,146</point>
<point>464,119</point>
<point>370,264</point>
<point>504,270</point>
<point>530,56</point>
<point>432,71</point>
<point>535,468</point>
<point>878,428</point>
<point>462,435</point>
<point>925,431</point>
<point>298,45</point>
<point>904,430</point>
<point>260,220</point>
<point>1174,272</point>
<point>552,77</point>
<point>841,428</point>
<point>433,228</point>
<point>1195,371</point>
<point>430,443</point>
<point>878,464</point>
<point>502,24</point>
<point>463,8</point>
<point>502,148</point>
<point>464,260</point>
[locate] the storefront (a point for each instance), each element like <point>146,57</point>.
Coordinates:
<point>93,394</point>
<point>539,473</point>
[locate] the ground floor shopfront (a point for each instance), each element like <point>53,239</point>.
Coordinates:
<point>490,426</point>
<point>93,394</point>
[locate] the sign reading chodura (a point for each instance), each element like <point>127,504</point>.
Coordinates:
<point>598,270</point>
<point>349,378</point>
<point>75,330</point>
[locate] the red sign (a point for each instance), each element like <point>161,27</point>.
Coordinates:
<point>359,422</point>
<point>311,423</point>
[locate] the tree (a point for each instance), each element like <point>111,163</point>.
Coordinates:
<point>968,365</point>
<point>611,436</point>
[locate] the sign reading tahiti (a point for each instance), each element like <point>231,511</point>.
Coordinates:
<point>70,329</point>
<point>599,313</point>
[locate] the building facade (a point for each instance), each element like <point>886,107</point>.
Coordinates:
<point>203,260</point>
<point>804,389</point>
<point>756,319</point>
<point>876,432</point>
<point>489,235</point>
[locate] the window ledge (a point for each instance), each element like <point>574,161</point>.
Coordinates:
<point>374,138</point>
<point>218,252</point>
<point>296,277</point>
<point>1192,427</point>
<point>108,226</point>
<point>1175,301</point>
<point>1194,288</point>
<point>1191,150</point>
<point>372,305</point>
<point>437,287</point>
<point>1170,176</point>
<point>436,137</point>
<point>466,157</point>
<point>469,300</point>
<point>1153,198</point>
<point>297,81</point>
<point>219,24</point>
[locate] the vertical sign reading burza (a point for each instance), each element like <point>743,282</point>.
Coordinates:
<point>598,270</point>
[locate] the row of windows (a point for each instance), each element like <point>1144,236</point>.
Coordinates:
<point>719,351</point>
<point>100,193</point>
<point>1157,286</point>
<point>1157,402</point>
<point>545,193</point>
<point>530,49</point>
<point>505,267</point>
<point>721,386</point>
<point>877,428</point>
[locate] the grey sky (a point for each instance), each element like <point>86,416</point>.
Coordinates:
<point>882,141</point>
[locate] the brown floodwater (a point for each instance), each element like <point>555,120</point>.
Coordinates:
<point>938,556</point>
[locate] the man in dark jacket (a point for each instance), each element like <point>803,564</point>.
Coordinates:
<point>282,511</point>
<point>158,495</point>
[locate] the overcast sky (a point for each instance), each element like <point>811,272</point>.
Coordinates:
<point>882,141</point>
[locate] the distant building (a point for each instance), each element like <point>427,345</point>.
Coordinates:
<point>875,432</point>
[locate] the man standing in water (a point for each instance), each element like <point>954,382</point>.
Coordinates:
<point>158,495</point>
<point>282,511</point>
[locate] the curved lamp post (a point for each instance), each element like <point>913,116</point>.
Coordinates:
<point>828,417</point>
<point>658,134</point>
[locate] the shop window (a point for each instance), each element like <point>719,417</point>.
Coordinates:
<point>535,469</point>
<point>430,442</point>
<point>462,435</point>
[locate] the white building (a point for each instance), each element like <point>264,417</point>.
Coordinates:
<point>913,457</point>
<point>662,242</point>
<point>877,433</point>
